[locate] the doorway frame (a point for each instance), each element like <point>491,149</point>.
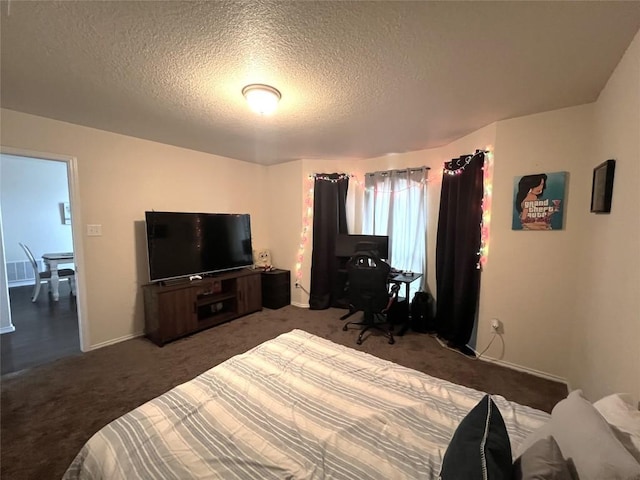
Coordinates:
<point>73,185</point>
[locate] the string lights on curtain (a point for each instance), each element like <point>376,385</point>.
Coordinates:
<point>486,208</point>
<point>456,167</point>
<point>459,164</point>
<point>326,178</point>
<point>304,238</point>
<point>308,214</point>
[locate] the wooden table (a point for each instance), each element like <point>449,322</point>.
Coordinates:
<point>51,261</point>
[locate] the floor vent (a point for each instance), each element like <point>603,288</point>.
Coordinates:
<point>20,271</point>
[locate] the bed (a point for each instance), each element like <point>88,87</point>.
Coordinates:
<point>296,406</point>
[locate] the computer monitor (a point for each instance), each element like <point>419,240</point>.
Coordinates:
<point>346,244</point>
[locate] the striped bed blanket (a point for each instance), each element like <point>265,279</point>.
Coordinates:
<point>295,407</point>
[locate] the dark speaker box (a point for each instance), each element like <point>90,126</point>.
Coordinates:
<point>276,289</point>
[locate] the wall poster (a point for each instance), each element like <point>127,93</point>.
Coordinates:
<point>538,201</point>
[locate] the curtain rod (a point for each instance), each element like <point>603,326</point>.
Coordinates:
<point>471,155</point>
<point>463,160</point>
<point>400,170</point>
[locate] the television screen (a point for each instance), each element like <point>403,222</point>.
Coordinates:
<point>346,244</point>
<point>181,244</point>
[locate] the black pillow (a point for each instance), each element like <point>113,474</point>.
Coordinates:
<point>480,447</point>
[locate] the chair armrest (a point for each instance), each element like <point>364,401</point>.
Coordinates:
<point>393,295</point>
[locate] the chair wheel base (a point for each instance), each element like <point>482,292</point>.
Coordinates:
<point>365,327</point>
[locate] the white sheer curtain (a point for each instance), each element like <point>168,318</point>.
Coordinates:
<point>395,204</point>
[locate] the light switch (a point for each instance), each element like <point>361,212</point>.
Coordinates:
<point>94,230</point>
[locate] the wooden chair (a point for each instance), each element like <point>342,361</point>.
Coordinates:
<point>63,273</point>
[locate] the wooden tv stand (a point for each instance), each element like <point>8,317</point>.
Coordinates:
<point>174,310</point>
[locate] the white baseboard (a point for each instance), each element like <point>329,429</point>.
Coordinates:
<point>115,340</point>
<point>7,329</point>
<point>22,283</point>
<point>532,371</point>
<point>300,305</point>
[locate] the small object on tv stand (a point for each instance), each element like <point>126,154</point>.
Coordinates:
<point>195,277</point>
<point>262,258</point>
<point>264,268</point>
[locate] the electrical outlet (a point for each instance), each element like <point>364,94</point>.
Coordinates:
<point>496,326</point>
<point>94,230</point>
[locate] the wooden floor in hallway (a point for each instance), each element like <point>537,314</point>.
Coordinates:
<point>45,330</point>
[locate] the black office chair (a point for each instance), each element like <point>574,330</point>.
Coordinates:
<point>368,291</point>
<point>365,246</point>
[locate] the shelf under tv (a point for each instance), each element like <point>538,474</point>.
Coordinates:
<point>173,311</point>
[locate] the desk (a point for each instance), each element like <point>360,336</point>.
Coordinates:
<point>51,261</point>
<point>400,278</point>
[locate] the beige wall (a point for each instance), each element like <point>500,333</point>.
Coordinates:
<point>285,197</point>
<point>119,178</point>
<point>531,277</point>
<point>605,353</point>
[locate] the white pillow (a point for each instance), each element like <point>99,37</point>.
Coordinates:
<point>624,420</point>
<point>587,441</point>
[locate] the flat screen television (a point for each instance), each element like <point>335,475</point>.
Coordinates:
<point>346,244</point>
<point>182,244</point>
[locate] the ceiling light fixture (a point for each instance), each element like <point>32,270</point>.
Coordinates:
<point>262,99</point>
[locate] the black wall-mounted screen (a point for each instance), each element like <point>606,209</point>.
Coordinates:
<point>181,244</point>
<point>346,244</point>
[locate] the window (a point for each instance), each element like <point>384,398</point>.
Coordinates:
<point>395,204</point>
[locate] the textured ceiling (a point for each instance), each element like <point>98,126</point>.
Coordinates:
<point>358,79</point>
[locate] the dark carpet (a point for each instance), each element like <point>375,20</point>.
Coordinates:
<point>50,411</point>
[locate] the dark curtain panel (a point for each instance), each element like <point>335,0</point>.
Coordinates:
<point>457,246</point>
<point>329,219</point>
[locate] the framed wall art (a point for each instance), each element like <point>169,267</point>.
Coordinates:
<point>602,187</point>
<point>538,201</point>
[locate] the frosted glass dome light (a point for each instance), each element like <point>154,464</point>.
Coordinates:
<point>262,99</point>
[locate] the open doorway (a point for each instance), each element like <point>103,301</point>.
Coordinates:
<point>36,210</point>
